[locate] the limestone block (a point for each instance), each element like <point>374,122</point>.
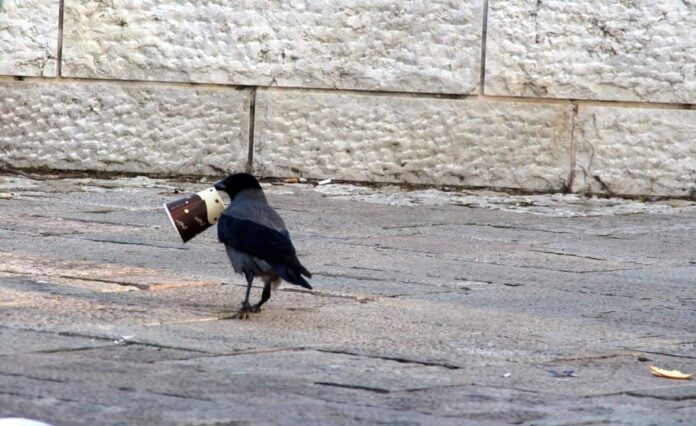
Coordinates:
<point>28,37</point>
<point>635,151</point>
<point>420,46</point>
<point>418,140</point>
<point>123,128</point>
<point>592,49</point>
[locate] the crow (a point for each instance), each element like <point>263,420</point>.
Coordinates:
<point>256,240</point>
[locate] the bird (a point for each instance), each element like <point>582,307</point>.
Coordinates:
<point>256,240</point>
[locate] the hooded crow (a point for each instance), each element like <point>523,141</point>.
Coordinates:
<point>256,240</point>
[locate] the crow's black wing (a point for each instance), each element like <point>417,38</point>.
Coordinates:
<point>257,240</point>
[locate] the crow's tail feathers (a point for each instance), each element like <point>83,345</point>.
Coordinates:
<point>293,274</point>
<point>304,271</point>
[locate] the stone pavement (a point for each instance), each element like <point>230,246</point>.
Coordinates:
<point>429,308</point>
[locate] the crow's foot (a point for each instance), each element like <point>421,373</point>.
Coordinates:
<point>243,313</point>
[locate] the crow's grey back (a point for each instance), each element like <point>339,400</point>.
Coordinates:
<point>248,205</point>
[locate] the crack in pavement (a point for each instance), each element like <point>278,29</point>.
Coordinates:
<point>509,265</point>
<point>134,243</point>
<point>589,357</point>
<point>568,254</point>
<point>391,358</point>
<point>100,280</point>
<point>347,386</point>
<point>662,353</point>
<point>176,395</point>
<point>98,222</point>
<point>637,394</point>
<point>26,376</point>
<point>110,339</point>
<point>370,278</point>
<point>34,397</point>
<point>488,225</point>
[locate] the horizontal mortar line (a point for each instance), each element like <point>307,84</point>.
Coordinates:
<point>126,82</point>
<point>367,92</point>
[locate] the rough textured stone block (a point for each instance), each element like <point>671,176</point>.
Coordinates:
<point>592,49</point>
<point>28,37</point>
<point>635,151</point>
<point>403,139</point>
<point>124,128</point>
<point>429,46</point>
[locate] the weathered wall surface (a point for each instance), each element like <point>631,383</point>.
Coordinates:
<point>636,151</point>
<point>594,96</point>
<point>418,140</point>
<point>124,128</point>
<point>593,49</point>
<point>415,46</point>
<point>28,37</point>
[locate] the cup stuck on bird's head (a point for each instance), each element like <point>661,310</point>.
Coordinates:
<point>195,213</point>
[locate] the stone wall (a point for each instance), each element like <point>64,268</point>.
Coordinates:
<point>592,96</point>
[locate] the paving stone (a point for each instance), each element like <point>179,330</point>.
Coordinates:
<point>438,308</point>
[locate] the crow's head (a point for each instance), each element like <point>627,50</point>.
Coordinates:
<point>236,183</point>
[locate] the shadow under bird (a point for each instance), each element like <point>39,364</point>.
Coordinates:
<point>257,242</point>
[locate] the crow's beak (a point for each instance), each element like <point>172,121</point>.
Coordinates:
<point>220,186</point>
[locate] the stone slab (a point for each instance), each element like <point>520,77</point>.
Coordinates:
<point>598,49</point>
<point>417,140</point>
<point>123,128</point>
<point>384,45</point>
<point>635,151</point>
<point>493,302</point>
<point>29,37</point>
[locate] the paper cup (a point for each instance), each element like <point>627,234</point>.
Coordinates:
<point>196,213</point>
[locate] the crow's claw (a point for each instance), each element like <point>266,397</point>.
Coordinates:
<point>240,314</point>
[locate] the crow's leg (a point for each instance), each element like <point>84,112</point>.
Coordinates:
<point>264,296</point>
<point>246,306</point>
